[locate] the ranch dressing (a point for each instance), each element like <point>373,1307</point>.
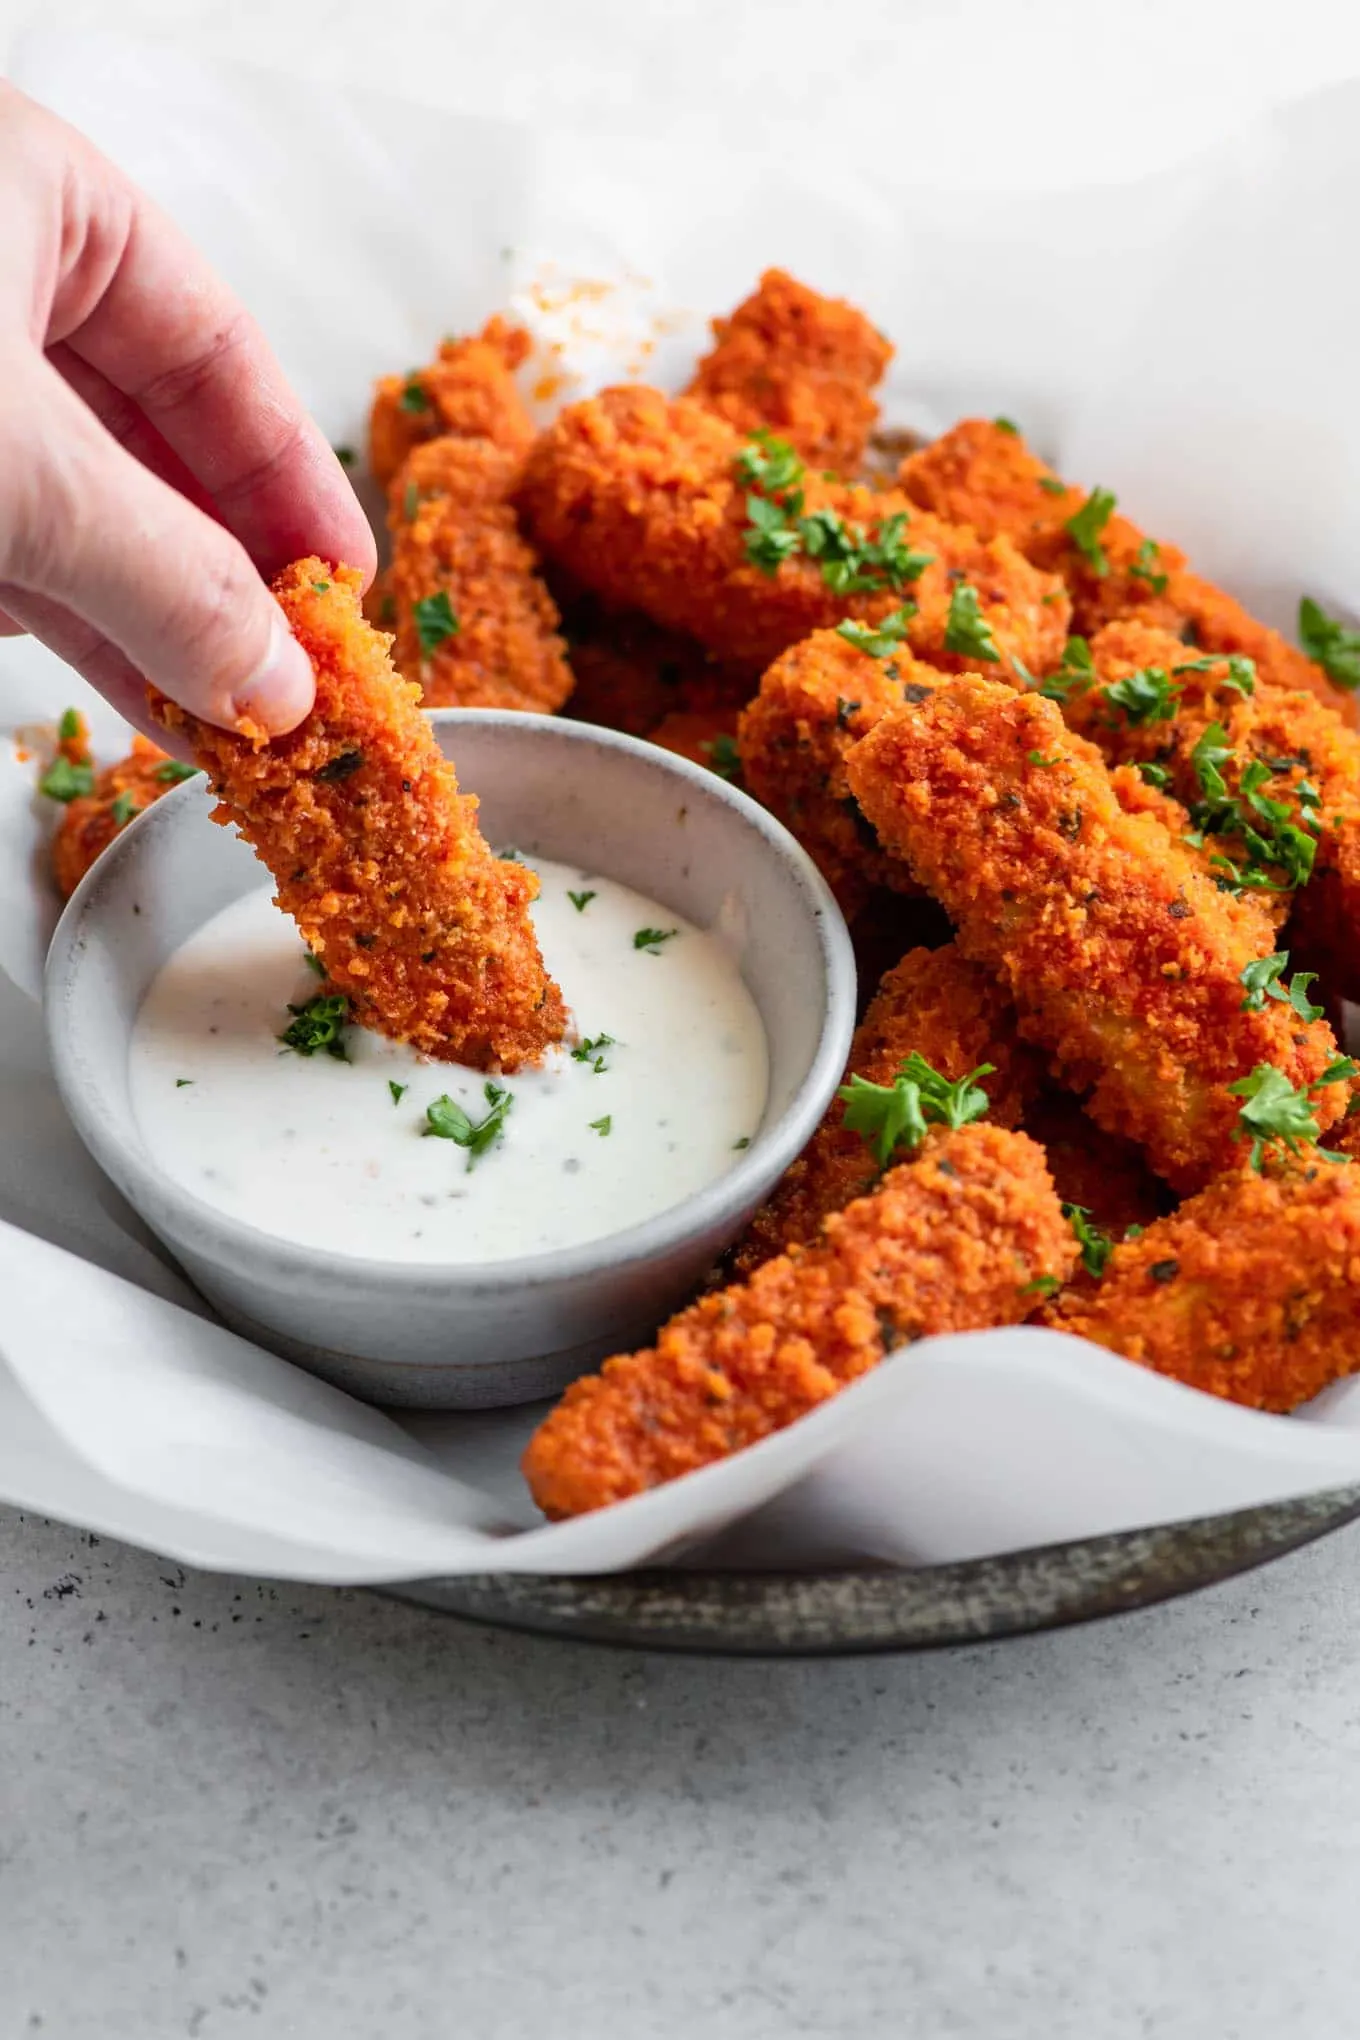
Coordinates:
<point>332,1153</point>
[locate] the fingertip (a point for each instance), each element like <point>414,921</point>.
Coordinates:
<point>279,694</point>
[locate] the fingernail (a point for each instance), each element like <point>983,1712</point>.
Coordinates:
<point>281,690</point>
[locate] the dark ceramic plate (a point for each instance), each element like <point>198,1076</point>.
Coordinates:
<point>835,1614</point>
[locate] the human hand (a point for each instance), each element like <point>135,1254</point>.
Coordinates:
<point>154,462</point>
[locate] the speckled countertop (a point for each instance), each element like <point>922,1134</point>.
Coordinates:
<point>233,1809</point>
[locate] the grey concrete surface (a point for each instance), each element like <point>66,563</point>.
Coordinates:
<point>234,1809</point>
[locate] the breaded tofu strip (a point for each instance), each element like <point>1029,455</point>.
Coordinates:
<point>804,365</point>
<point>814,705</point>
<point>952,1241</point>
<point>376,854</point>
<point>474,625</point>
<point>938,1005</point>
<point>985,475</point>
<point>467,391</point>
<point>122,790</point>
<point>1155,704</point>
<point>1123,959</point>
<point>1250,1291</point>
<point>648,502</point>
<point>631,674</point>
<point>1103,1174</point>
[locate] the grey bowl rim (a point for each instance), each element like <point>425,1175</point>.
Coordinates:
<point>633,1247</point>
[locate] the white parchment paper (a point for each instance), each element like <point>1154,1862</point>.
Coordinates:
<point>1167,337</point>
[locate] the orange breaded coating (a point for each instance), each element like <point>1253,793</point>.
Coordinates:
<point>1106,1175</point>
<point>468,391</point>
<point>631,674</point>
<point>944,1008</point>
<point>641,498</point>
<point>985,475</point>
<point>803,365</point>
<point>1250,1291</point>
<point>376,854</point>
<point>952,1241</point>
<point>91,821</point>
<point>1124,960</point>
<point>475,626</point>
<point>1312,755</point>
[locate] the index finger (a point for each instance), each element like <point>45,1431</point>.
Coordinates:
<point>170,335</point>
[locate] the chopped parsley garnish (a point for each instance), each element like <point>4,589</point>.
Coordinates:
<point>1007,425</point>
<point>182,1083</point>
<point>592,1051</point>
<point>968,632</point>
<point>723,756</point>
<point>345,455</point>
<point>447,1120</point>
<point>1146,696</point>
<point>319,1024</point>
<point>651,939</point>
<point>398,1090</point>
<point>65,781</point>
<point>434,620</point>
<point>581,900</point>
<point>174,770</point>
<point>320,587</point>
<point>1264,979</point>
<point>1076,673</point>
<point>314,963</point>
<point>68,729</point>
<point>769,464</point>
<point>1038,758</point>
<point>1144,567</point>
<point>413,397</point>
<point>1096,1246</point>
<point>744,1142</point>
<point>602,1126</point>
<point>1155,775</point>
<point>1085,528</point>
<point>772,537</point>
<point>1042,1285</point>
<point>124,808</point>
<point>878,640</point>
<point>1336,649</point>
<point>850,559</point>
<point>1240,677</point>
<point>1051,486</point>
<point>1273,1114</point>
<point>889,1116</point>
<point>1270,835</point>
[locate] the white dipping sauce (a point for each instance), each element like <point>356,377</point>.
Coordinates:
<point>315,1150</point>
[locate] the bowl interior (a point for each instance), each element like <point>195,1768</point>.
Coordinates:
<point>548,787</point>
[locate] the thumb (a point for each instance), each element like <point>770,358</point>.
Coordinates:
<point>87,528</point>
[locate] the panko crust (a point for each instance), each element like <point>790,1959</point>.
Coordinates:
<point>952,1241</point>
<point>984,475</point>
<point>949,1011</point>
<point>1250,1291</point>
<point>91,821</point>
<point>637,496</point>
<point>376,854</point>
<point>468,391</point>
<point>1122,957</point>
<point>803,365</point>
<point>454,533</point>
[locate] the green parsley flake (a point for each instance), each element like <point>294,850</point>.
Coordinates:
<point>1051,486</point>
<point>723,757</point>
<point>772,538</point>
<point>447,1120</point>
<point>1273,1114</point>
<point>1336,649</point>
<point>592,1051</point>
<point>1086,527</point>
<point>1042,1285</point>
<point>1076,674</point>
<point>968,632</point>
<point>434,620</point>
<point>1038,758</point>
<point>124,808</point>
<point>581,900</point>
<point>319,1024</point>
<point>1007,425</point>
<point>1144,567</point>
<point>398,1090</point>
<point>413,397</point>
<point>850,560</point>
<point>1155,775</point>
<point>1096,1246</point>
<point>769,464</point>
<point>314,963</point>
<point>345,455</point>
<point>1264,979</point>
<point>651,939</point>
<point>1240,677</point>
<point>68,729</point>
<point>174,770</point>
<point>878,640</point>
<point>64,781</point>
<point>602,1126</point>
<point>744,1142</point>
<point>1148,695</point>
<point>182,1083</point>
<point>889,1116</point>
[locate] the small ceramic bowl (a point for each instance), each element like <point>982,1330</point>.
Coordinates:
<point>470,1337</point>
